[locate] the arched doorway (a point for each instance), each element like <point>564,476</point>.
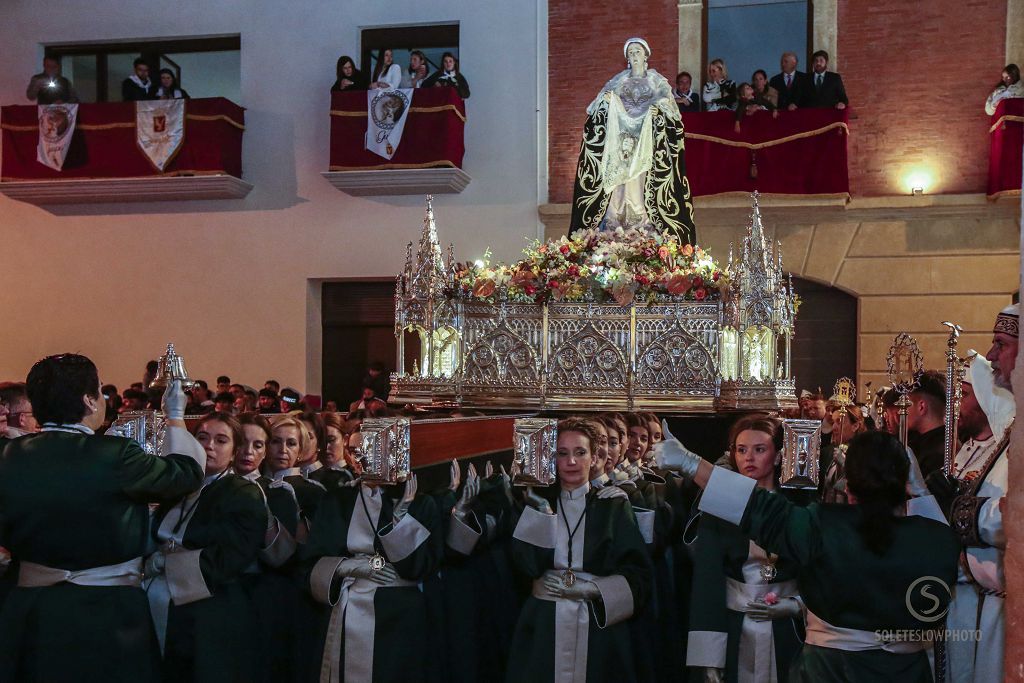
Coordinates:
<point>825,345</point>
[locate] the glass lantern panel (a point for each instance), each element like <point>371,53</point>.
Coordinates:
<point>758,353</point>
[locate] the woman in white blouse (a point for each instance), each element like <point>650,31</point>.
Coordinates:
<point>387,74</point>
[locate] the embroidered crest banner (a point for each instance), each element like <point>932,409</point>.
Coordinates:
<point>160,129</point>
<point>56,128</point>
<point>386,111</point>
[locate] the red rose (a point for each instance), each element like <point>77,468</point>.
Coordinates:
<point>700,293</point>
<point>716,275</point>
<point>530,290</point>
<point>641,280</point>
<point>553,284</point>
<point>564,249</point>
<point>573,271</point>
<point>698,281</point>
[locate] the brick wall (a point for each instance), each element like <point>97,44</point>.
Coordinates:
<point>585,50</point>
<point>917,75</point>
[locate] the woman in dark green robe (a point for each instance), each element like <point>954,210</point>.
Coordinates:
<point>366,557</point>
<point>207,541</point>
<point>590,570</point>
<point>735,580</point>
<point>75,513</point>
<point>289,440</point>
<point>874,580</point>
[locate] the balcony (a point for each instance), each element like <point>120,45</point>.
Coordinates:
<point>105,164</point>
<point>1006,134</point>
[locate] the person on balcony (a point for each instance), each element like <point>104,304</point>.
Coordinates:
<point>169,88</point>
<point>1009,86</point>
<point>387,74</point>
<point>138,86</point>
<point>417,72</point>
<point>763,92</point>
<point>348,76</point>
<point>749,104</point>
<point>792,85</point>
<point>449,75</point>
<point>685,96</point>
<point>49,87</point>
<point>827,91</point>
<point>719,92</point>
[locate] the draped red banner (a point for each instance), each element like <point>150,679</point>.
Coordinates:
<point>799,152</point>
<point>432,137</point>
<point>1006,151</point>
<point>104,143</point>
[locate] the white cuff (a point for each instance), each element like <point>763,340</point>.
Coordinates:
<point>279,550</point>
<point>185,577</point>
<point>645,520</point>
<point>706,648</point>
<point>322,578</point>
<point>926,506</point>
<point>617,599</point>
<point>401,540</point>
<point>178,441</point>
<point>726,496</point>
<point>462,538</point>
<point>536,528</point>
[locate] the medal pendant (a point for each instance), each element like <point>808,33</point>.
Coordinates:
<point>568,578</point>
<point>391,150</point>
<point>768,572</point>
<point>377,562</point>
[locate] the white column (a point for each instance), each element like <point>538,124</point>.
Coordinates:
<point>691,47</point>
<point>826,20</point>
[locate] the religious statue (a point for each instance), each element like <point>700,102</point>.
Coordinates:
<point>631,170</point>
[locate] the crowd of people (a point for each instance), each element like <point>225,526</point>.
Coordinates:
<point>256,548</point>
<point>386,74</point>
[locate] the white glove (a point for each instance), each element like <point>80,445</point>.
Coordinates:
<point>581,590</point>
<point>455,476</point>
<point>155,564</point>
<point>410,495</point>
<point>611,492</point>
<point>784,608</point>
<point>359,568</point>
<point>506,482</point>
<point>174,401</point>
<point>469,492</point>
<point>915,480</point>
<point>537,502</point>
<point>488,470</point>
<point>714,675</point>
<point>670,454</point>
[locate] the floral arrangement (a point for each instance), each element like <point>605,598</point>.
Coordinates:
<point>624,266</point>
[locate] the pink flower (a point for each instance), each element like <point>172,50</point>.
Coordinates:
<point>700,293</point>
<point>771,598</point>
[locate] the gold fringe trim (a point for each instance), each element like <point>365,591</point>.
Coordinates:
<point>109,126</point>
<point>845,196</point>
<point>1003,119</point>
<point>1003,193</point>
<point>418,110</point>
<point>216,117</point>
<point>769,143</point>
<point>169,174</point>
<point>430,164</point>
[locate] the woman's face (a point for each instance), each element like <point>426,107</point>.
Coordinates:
<point>449,63</point>
<point>334,449</point>
<point>355,442</point>
<point>312,444</point>
<point>166,80</point>
<point>746,93</point>
<point>216,439</point>
<point>347,69</point>
<point>756,456</point>
<point>415,62</point>
<point>759,81</point>
<point>600,451</point>
<point>573,459</point>
<point>284,448</point>
<point>846,427</point>
<point>714,73</point>
<point>614,449</point>
<point>388,57</point>
<point>636,447</point>
<point>254,448</point>
<point>636,55</point>
<point>654,431</point>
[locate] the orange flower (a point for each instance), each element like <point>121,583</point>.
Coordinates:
<point>687,250</point>
<point>663,253</point>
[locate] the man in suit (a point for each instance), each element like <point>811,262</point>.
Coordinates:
<point>793,86</point>
<point>827,89</point>
<point>138,86</point>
